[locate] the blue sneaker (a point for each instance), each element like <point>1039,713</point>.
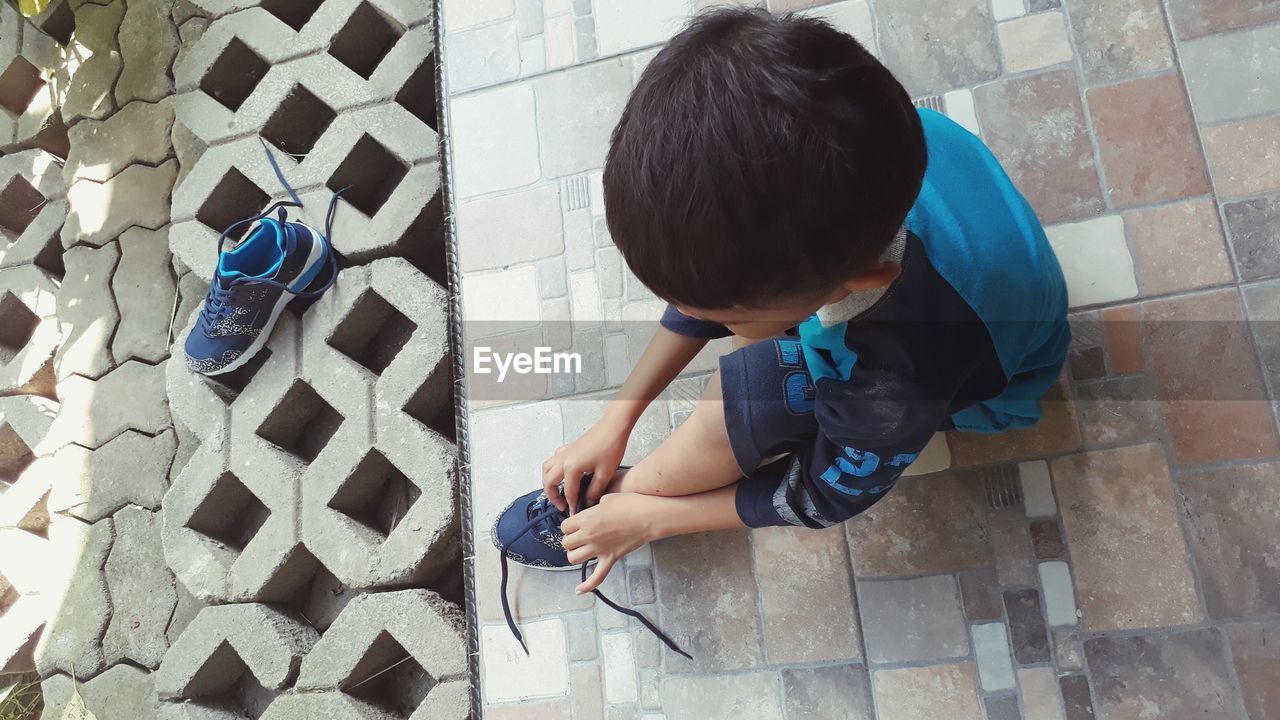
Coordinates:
<point>528,532</point>
<point>280,262</point>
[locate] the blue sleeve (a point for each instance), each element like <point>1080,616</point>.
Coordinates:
<point>681,324</point>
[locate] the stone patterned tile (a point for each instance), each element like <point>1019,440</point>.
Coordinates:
<point>1234,518</point>
<point>1119,39</point>
<point>833,692</point>
<point>1015,559</point>
<point>959,105</point>
<point>1211,416</point>
<point>1147,162</point>
<point>1002,707</point>
<point>587,690</point>
<point>960,50</point>
<point>991,650</point>
<point>1037,489</point>
<point>1075,697</point>
<point>980,592</point>
<point>1095,259</point>
<point>1122,338</point>
<point>1036,126</point>
<point>492,241</point>
<point>1178,247</point>
<point>510,675</point>
<point>938,691</point>
<point>495,142</point>
<point>1034,42</point>
<point>1255,652</point>
<point>849,16</point>
<point>913,620</point>
<point>1040,694</point>
<point>1194,18</point>
<point>463,14</point>
<point>617,659</point>
<point>1068,653</point>
<point>1223,76</point>
<point>708,601</point>
<point>1059,593</point>
<point>935,524</point>
<point>1007,9</point>
<point>1046,540</point>
<point>622,26</point>
<point>1118,411</point>
<point>1234,151</point>
<point>1055,433</point>
<point>806,595</point>
<point>1255,236</point>
<point>1131,563</point>
<point>577,110</point>
<point>1027,631</point>
<point>1263,303</point>
<point>750,696</point>
<point>1172,677</point>
<point>554,710</point>
<point>484,56</point>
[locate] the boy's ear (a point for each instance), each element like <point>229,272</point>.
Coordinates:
<point>878,275</point>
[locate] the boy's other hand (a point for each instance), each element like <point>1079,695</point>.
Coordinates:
<point>621,523</point>
<point>598,452</point>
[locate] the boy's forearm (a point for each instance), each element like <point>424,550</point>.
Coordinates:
<point>703,512</point>
<point>666,355</point>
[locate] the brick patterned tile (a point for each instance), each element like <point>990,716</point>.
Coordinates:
<point>1119,39</point>
<point>1255,236</point>
<point>1034,42</point>
<point>1055,433</point>
<point>1118,411</point>
<point>1244,157</point>
<point>1263,303</point>
<point>587,690</point>
<point>1041,695</point>
<point>1211,415</point>
<point>1193,18</point>
<point>1255,652</point>
<point>1002,707</point>
<point>1027,631</point>
<point>1224,76</point>
<point>1068,653</point>
<point>960,49</point>
<point>925,525</point>
<point>1015,560</point>
<point>751,696</point>
<point>806,597</point>
<point>1075,697</point>
<point>1059,593</point>
<point>938,691</point>
<point>708,601</point>
<point>1178,247</point>
<point>1036,126</point>
<point>556,710</point>
<point>834,692</point>
<point>991,650</point>
<point>1234,519</point>
<point>980,591</point>
<point>1147,162</point>
<point>1131,563</point>
<point>1172,677</point>
<point>1122,338</point>
<point>1046,538</point>
<point>918,619</point>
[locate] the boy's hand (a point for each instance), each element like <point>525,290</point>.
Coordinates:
<point>621,523</point>
<point>599,452</point>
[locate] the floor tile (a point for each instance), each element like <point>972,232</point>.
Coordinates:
<point>586,689</point>
<point>1255,236</point>
<point>1037,489</point>
<point>1243,157</point>
<point>1147,162</point>
<point>914,620</point>
<point>511,675</point>
<point>1131,564</point>
<point>961,50</point>
<point>852,17</point>
<point>554,710</point>
<point>1075,697</point>
<point>1179,247</point>
<point>1122,338</point>
<point>991,650</point>
<point>1007,9</point>
<point>1027,631</point>
<point>1119,39</point>
<point>1036,126</point>
<point>1193,18</point>
<point>1263,303</point>
<point>1255,652</point>
<point>617,659</point>
<point>1224,76</point>
<point>1233,521</point>
<point>492,241</point>
<point>1095,259</point>
<point>1041,695</point>
<point>463,14</point>
<point>484,56</point>
<point>1058,593</point>
<point>753,696</point>
<point>1034,42</point>
<point>980,591</point>
<point>1015,560</point>
<point>577,111</point>
<point>1211,416</point>
<point>1172,677</point>
<point>806,595</point>
<point>622,26</point>
<point>1002,707</point>
<point>1118,411</point>
<point>834,692</point>
<point>959,105</point>
<point>937,691</point>
<point>495,143</point>
<point>924,525</point>
<point>1046,539</point>
<point>1055,433</point>
<point>1068,653</point>
<point>708,601</point>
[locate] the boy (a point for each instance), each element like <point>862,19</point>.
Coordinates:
<point>770,179</point>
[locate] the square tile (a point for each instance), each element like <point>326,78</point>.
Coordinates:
<point>484,56</point>
<point>1193,18</point>
<point>577,111</point>
<point>1046,539</point>
<point>1147,162</point>
<point>1223,75</point>
<point>1118,411</point>
<point>1120,39</point>
<point>502,301</point>
<point>833,692</point>
<point>1171,677</point>
<point>1255,652</point>
<point>1007,9</point>
<point>913,620</point>
<point>933,524</point>
<point>1255,236</point>
<point>1242,157</point>
<point>938,691</point>
<point>1211,415</point>
<point>622,26</point>
<point>463,14</point>
<point>1233,519</point>
<point>806,595</point>
<point>960,50</point>
<point>1036,127</point>
<point>1055,433</point>
<point>1179,247</point>
<point>849,16</point>
<point>495,142</point>
<point>1034,42</point>
<point>1131,563</point>
<point>750,696</point>
<point>510,675</point>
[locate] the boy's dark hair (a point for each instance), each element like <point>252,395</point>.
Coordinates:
<point>760,158</point>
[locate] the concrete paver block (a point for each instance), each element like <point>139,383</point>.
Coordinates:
<point>72,640</point>
<point>90,93</point>
<point>141,285</point>
<point>100,150</point>
<point>224,642</point>
<point>131,397</point>
<point>148,43</point>
<point>87,313</point>
<point>130,469</point>
<point>32,209</point>
<point>142,591</point>
<point>123,691</point>
<point>138,195</point>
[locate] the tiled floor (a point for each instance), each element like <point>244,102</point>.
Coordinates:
<point>1117,561</point>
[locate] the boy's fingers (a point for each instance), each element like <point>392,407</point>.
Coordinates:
<point>572,479</point>
<point>599,481</point>
<point>580,554</point>
<point>602,571</point>
<point>551,483</point>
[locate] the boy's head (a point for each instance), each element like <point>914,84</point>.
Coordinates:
<point>761,167</point>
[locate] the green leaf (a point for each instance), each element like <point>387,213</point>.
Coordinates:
<point>32,7</point>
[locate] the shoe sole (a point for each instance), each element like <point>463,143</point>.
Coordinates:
<point>281,303</point>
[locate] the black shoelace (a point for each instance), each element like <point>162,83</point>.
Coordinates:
<point>545,515</point>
